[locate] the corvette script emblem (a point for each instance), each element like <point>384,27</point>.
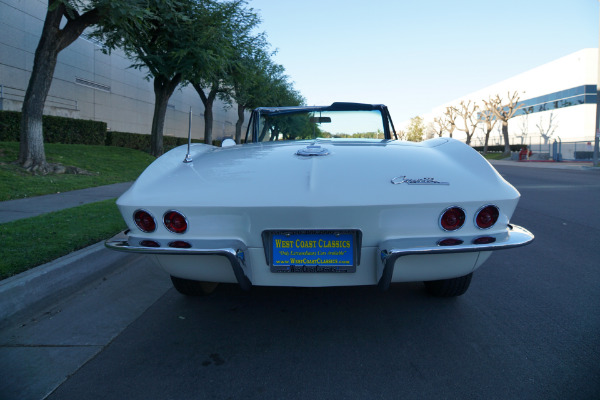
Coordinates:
<point>419,181</point>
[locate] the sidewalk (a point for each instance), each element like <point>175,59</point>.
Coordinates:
<point>59,278</point>
<point>13,210</point>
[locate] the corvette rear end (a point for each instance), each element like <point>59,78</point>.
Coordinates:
<point>320,211</point>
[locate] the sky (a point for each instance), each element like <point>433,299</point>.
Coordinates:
<point>416,55</point>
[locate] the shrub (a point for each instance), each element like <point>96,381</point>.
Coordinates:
<point>81,131</point>
<point>135,141</point>
<point>140,141</point>
<point>499,148</point>
<point>55,129</point>
<point>10,122</point>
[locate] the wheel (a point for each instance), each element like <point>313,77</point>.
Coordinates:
<point>189,287</point>
<point>449,287</point>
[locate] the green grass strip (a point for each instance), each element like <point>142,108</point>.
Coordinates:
<point>494,156</point>
<point>34,241</point>
<point>108,164</point>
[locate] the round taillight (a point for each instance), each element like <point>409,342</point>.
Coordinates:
<point>486,217</point>
<point>175,222</point>
<point>144,220</point>
<point>452,219</point>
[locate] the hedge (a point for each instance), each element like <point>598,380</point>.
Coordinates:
<point>55,129</point>
<point>135,141</point>
<point>500,148</point>
<point>140,141</point>
<point>10,122</point>
<point>80,131</point>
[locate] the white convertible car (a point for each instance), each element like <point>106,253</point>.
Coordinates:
<point>321,196</point>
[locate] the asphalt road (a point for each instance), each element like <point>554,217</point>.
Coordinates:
<point>528,328</point>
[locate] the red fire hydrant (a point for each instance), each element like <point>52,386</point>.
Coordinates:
<point>524,154</point>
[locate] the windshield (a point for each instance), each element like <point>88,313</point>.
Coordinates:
<point>320,124</point>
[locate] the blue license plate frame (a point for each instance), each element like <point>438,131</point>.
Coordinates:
<point>332,251</point>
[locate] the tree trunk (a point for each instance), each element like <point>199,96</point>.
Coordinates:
<point>52,41</point>
<point>469,136</point>
<point>239,123</point>
<point>163,89</point>
<point>487,139</point>
<point>505,135</point>
<point>208,112</point>
<point>31,148</point>
<point>208,121</point>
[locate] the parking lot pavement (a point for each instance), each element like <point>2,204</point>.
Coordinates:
<point>35,346</point>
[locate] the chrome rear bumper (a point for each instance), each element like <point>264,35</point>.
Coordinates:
<point>391,250</point>
<point>235,251</point>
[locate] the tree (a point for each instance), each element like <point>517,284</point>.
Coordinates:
<point>262,83</point>
<point>79,15</point>
<point>231,50</point>
<point>547,131</point>
<point>167,49</point>
<point>487,117</point>
<point>439,126</point>
<point>468,112</point>
<point>430,130</point>
<point>524,128</point>
<point>503,111</point>
<point>415,130</point>
<point>450,116</point>
<point>250,84</point>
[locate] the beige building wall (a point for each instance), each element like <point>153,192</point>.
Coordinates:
<point>89,84</point>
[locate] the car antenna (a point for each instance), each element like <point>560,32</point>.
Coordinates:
<point>187,158</point>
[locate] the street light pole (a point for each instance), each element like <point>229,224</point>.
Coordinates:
<point>597,133</point>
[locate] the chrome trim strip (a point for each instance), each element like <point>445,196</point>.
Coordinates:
<point>399,180</point>
<point>235,251</point>
<point>515,236</point>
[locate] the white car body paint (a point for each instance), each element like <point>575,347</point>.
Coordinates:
<point>230,196</point>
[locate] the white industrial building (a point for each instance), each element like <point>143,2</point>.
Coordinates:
<point>89,84</point>
<point>559,103</point>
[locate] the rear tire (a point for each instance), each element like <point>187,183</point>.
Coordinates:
<point>190,287</point>
<point>449,287</point>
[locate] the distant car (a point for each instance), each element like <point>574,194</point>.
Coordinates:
<point>321,196</point>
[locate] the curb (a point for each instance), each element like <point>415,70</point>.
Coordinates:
<point>39,286</point>
<point>545,164</point>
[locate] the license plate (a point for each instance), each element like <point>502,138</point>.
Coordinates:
<point>313,251</point>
